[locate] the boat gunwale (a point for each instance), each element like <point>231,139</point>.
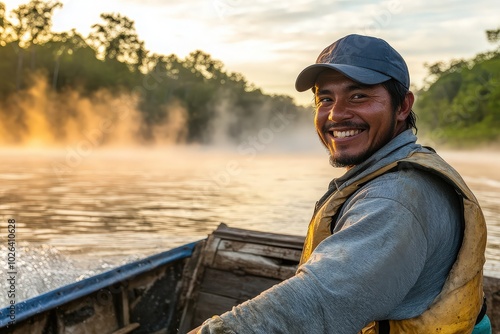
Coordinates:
<point>60,296</point>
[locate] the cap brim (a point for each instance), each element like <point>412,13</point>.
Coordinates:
<point>307,78</point>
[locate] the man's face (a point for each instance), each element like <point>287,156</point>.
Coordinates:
<point>353,120</point>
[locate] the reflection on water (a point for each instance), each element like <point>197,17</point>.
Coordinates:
<point>88,214</point>
<point>481,171</point>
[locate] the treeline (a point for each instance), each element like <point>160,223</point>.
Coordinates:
<point>461,104</point>
<point>113,58</point>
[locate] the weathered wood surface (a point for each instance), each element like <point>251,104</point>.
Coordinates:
<point>237,265</point>
<point>492,292</point>
<point>269,251</point>
<point>146,303</point>
<point>240,287</point>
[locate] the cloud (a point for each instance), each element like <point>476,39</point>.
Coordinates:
<point>289,37</point>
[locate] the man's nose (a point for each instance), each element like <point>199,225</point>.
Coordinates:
<point>338,112</point>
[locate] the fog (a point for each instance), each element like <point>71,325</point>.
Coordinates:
<point>40,118</point>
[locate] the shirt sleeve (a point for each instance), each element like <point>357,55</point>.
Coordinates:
<point>355,276</point>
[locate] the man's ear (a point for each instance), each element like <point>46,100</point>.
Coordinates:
<point>405,108</point>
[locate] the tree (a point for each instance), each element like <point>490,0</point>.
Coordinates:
<point>493,36</point>
<point>118,39</point>
<point>461,105</point>
<point>203,64</point>
<point>33,22</point>
<point>65,43</point>
<point>3,25</point>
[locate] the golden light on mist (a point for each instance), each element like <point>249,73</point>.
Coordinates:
<point>40,117</point>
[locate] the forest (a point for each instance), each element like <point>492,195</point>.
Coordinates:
<point>51,80</point>
<point>56,85</point>
<point>460,105</point>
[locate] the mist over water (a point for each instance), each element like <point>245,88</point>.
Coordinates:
<point>40,117</point>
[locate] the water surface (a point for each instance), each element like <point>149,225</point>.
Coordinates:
<point>80,214</point>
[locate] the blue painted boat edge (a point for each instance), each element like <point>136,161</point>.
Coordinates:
<point>62,295</point>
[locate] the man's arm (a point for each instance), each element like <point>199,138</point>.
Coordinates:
<point>388,259</point>
<point>354,276</point>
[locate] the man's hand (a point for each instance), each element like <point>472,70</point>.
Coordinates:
<point>194,331</point>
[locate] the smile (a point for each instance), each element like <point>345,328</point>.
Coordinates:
<point>344,134</point>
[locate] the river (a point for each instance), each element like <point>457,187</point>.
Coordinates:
<point>82,212</point>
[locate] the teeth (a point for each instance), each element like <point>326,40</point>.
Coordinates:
<point>343,134</point>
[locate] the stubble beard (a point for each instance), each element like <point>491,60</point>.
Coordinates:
<point>341,160</point>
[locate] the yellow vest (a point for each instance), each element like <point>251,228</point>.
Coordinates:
<point>456,307</point>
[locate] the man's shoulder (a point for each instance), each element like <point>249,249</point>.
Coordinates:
<point>415,189</point>
<point>408,183</point>
<point>429,198</point>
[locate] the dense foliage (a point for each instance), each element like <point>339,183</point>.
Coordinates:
<point>56,84</point>
<point>196,92</point>
<point>462,105</point>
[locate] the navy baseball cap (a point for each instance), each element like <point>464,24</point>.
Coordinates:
<point>364,59</point>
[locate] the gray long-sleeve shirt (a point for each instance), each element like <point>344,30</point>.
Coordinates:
<point>394,243</point>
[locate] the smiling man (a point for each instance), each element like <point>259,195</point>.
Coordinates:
<point>396,245</point>
<point>355,120</point>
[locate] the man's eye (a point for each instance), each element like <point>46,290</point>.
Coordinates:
<point>323,101</point>
<point>358,96</point>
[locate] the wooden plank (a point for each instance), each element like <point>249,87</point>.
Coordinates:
<point>492,293</point>
<point>153,299</point>
<point>252,264</point>
<point>127,329</point>
<point>93,314</point>
<point>237,265</point>
<point>238,287</point>
<point>210,249</point>
<point>36,325</point>
<point>209,305</point>
<point>260,249</point>
<point>272,239</point>
<point>191,275</point>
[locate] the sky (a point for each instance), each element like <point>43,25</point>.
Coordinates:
<point>270,42</point>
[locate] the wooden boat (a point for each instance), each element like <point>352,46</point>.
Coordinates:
<point>176,290</point>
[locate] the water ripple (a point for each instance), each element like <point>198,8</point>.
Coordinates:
<point>109,210</point>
